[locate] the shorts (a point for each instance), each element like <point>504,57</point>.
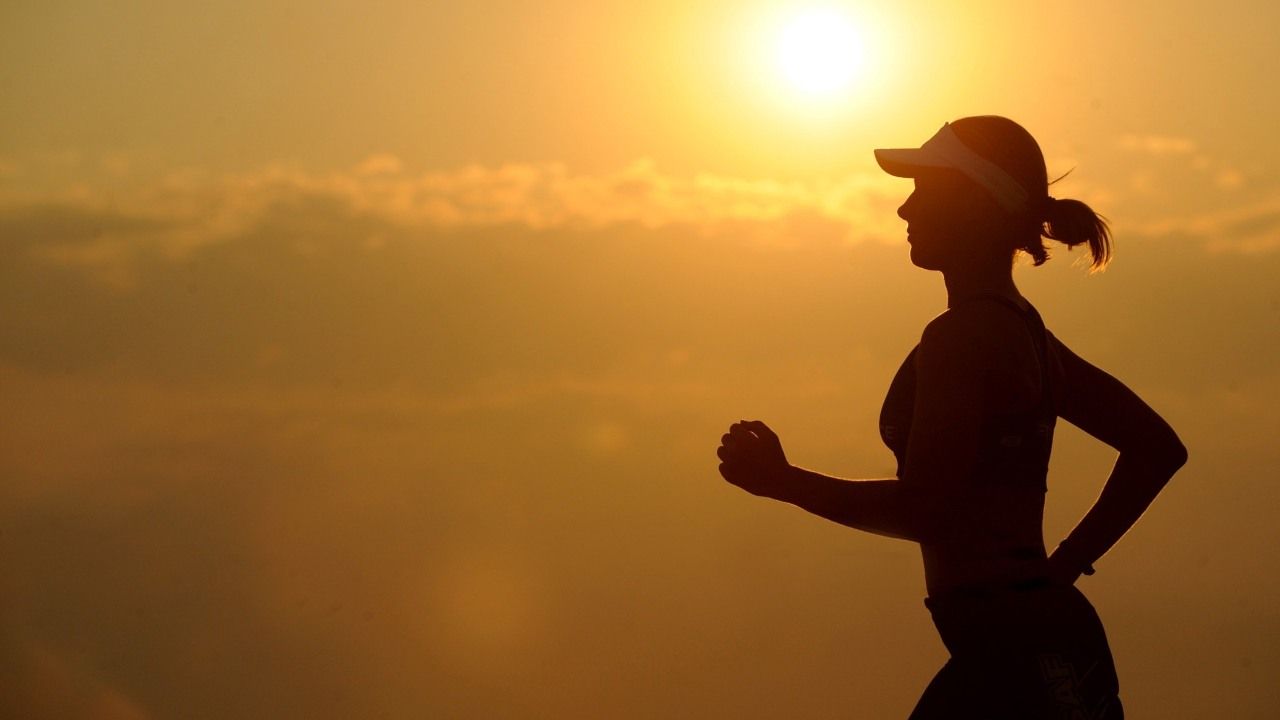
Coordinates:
<point>1032,651</point>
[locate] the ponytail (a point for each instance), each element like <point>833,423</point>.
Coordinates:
<point>1072,223</point>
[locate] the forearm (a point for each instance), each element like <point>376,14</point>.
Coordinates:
<point>876,506</point>
<point>1135,480</point>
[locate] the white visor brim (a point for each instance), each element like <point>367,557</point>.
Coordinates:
<point>945,150</point>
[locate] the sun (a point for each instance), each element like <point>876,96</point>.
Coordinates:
<point>820,52</point>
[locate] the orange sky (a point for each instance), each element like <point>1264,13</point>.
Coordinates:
<point>369,360</point>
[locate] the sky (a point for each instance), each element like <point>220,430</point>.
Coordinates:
<point>369,359</point>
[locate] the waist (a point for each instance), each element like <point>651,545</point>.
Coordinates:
<point>964,594</point>
<point>979,567</point>
<point>1030,616</point>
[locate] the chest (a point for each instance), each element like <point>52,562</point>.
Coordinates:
<point>1016,428</point>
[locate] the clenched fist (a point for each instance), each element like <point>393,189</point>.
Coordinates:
<point>751,457</point>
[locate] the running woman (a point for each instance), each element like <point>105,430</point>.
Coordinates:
<point>970,418</point>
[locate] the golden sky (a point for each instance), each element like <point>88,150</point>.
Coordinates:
<point>369,359</point>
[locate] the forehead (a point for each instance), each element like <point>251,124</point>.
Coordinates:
<point>940,178</point>
<point>945,185</point>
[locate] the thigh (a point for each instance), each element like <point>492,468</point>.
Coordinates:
<point>946,693</point>
<point>968,688</point>
<point>1075,680</point>
<point>1075,673</point>
<point>1047,686</point>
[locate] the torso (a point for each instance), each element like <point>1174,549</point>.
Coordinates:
<point>1006,492</point>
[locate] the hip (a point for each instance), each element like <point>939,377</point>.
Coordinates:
<point>1032,616</point>
<point>1030,650</point>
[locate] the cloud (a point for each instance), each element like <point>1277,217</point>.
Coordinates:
<point>1156,144</point>
<point>197,208</point>
<point>380,164</point>
<point>317,294</point>
<point>1229,179</point>
<point>87,235</point>
<point>108,229</point>
<point>1173,190</point>
<point>1166,154</point>
<point>323,279</point>
<point>1252,228</point>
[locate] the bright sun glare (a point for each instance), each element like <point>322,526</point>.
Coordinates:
<point>820,52</point>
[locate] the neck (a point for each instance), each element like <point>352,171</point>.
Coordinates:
<point>978,280</point>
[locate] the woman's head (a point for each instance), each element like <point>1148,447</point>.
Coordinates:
<point>981,186</point>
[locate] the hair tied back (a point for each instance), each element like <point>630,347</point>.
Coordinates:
<point>1047,205</point>
<point>1073,223</point>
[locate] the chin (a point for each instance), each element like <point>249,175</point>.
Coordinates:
<point>924,259</point>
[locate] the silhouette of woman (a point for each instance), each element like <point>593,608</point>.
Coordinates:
<point>970,418</point>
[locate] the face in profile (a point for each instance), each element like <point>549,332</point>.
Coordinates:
<point>949,219</point>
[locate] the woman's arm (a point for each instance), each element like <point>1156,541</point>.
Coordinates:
<point>752,458</point>
<point>1150,453</point>
<point>874,506</point>
<point>922,505</point>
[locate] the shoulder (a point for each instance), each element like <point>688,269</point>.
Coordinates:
<point>1070,370</point>
<point>977,329</point>
<point>980,346</point>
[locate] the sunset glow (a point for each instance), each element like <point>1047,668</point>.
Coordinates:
<point>369,360</point>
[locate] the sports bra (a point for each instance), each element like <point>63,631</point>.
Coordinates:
<point>1013,447</point>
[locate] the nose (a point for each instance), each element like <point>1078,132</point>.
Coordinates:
<point>905,208</point>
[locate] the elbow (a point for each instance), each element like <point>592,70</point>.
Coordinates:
<point>1172,453</point>
<point>1178,455</point>
<point>1165,454</point>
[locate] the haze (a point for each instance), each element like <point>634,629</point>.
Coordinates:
<point>369,359</point>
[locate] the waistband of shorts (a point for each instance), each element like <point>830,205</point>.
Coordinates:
<point>978,592</point>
